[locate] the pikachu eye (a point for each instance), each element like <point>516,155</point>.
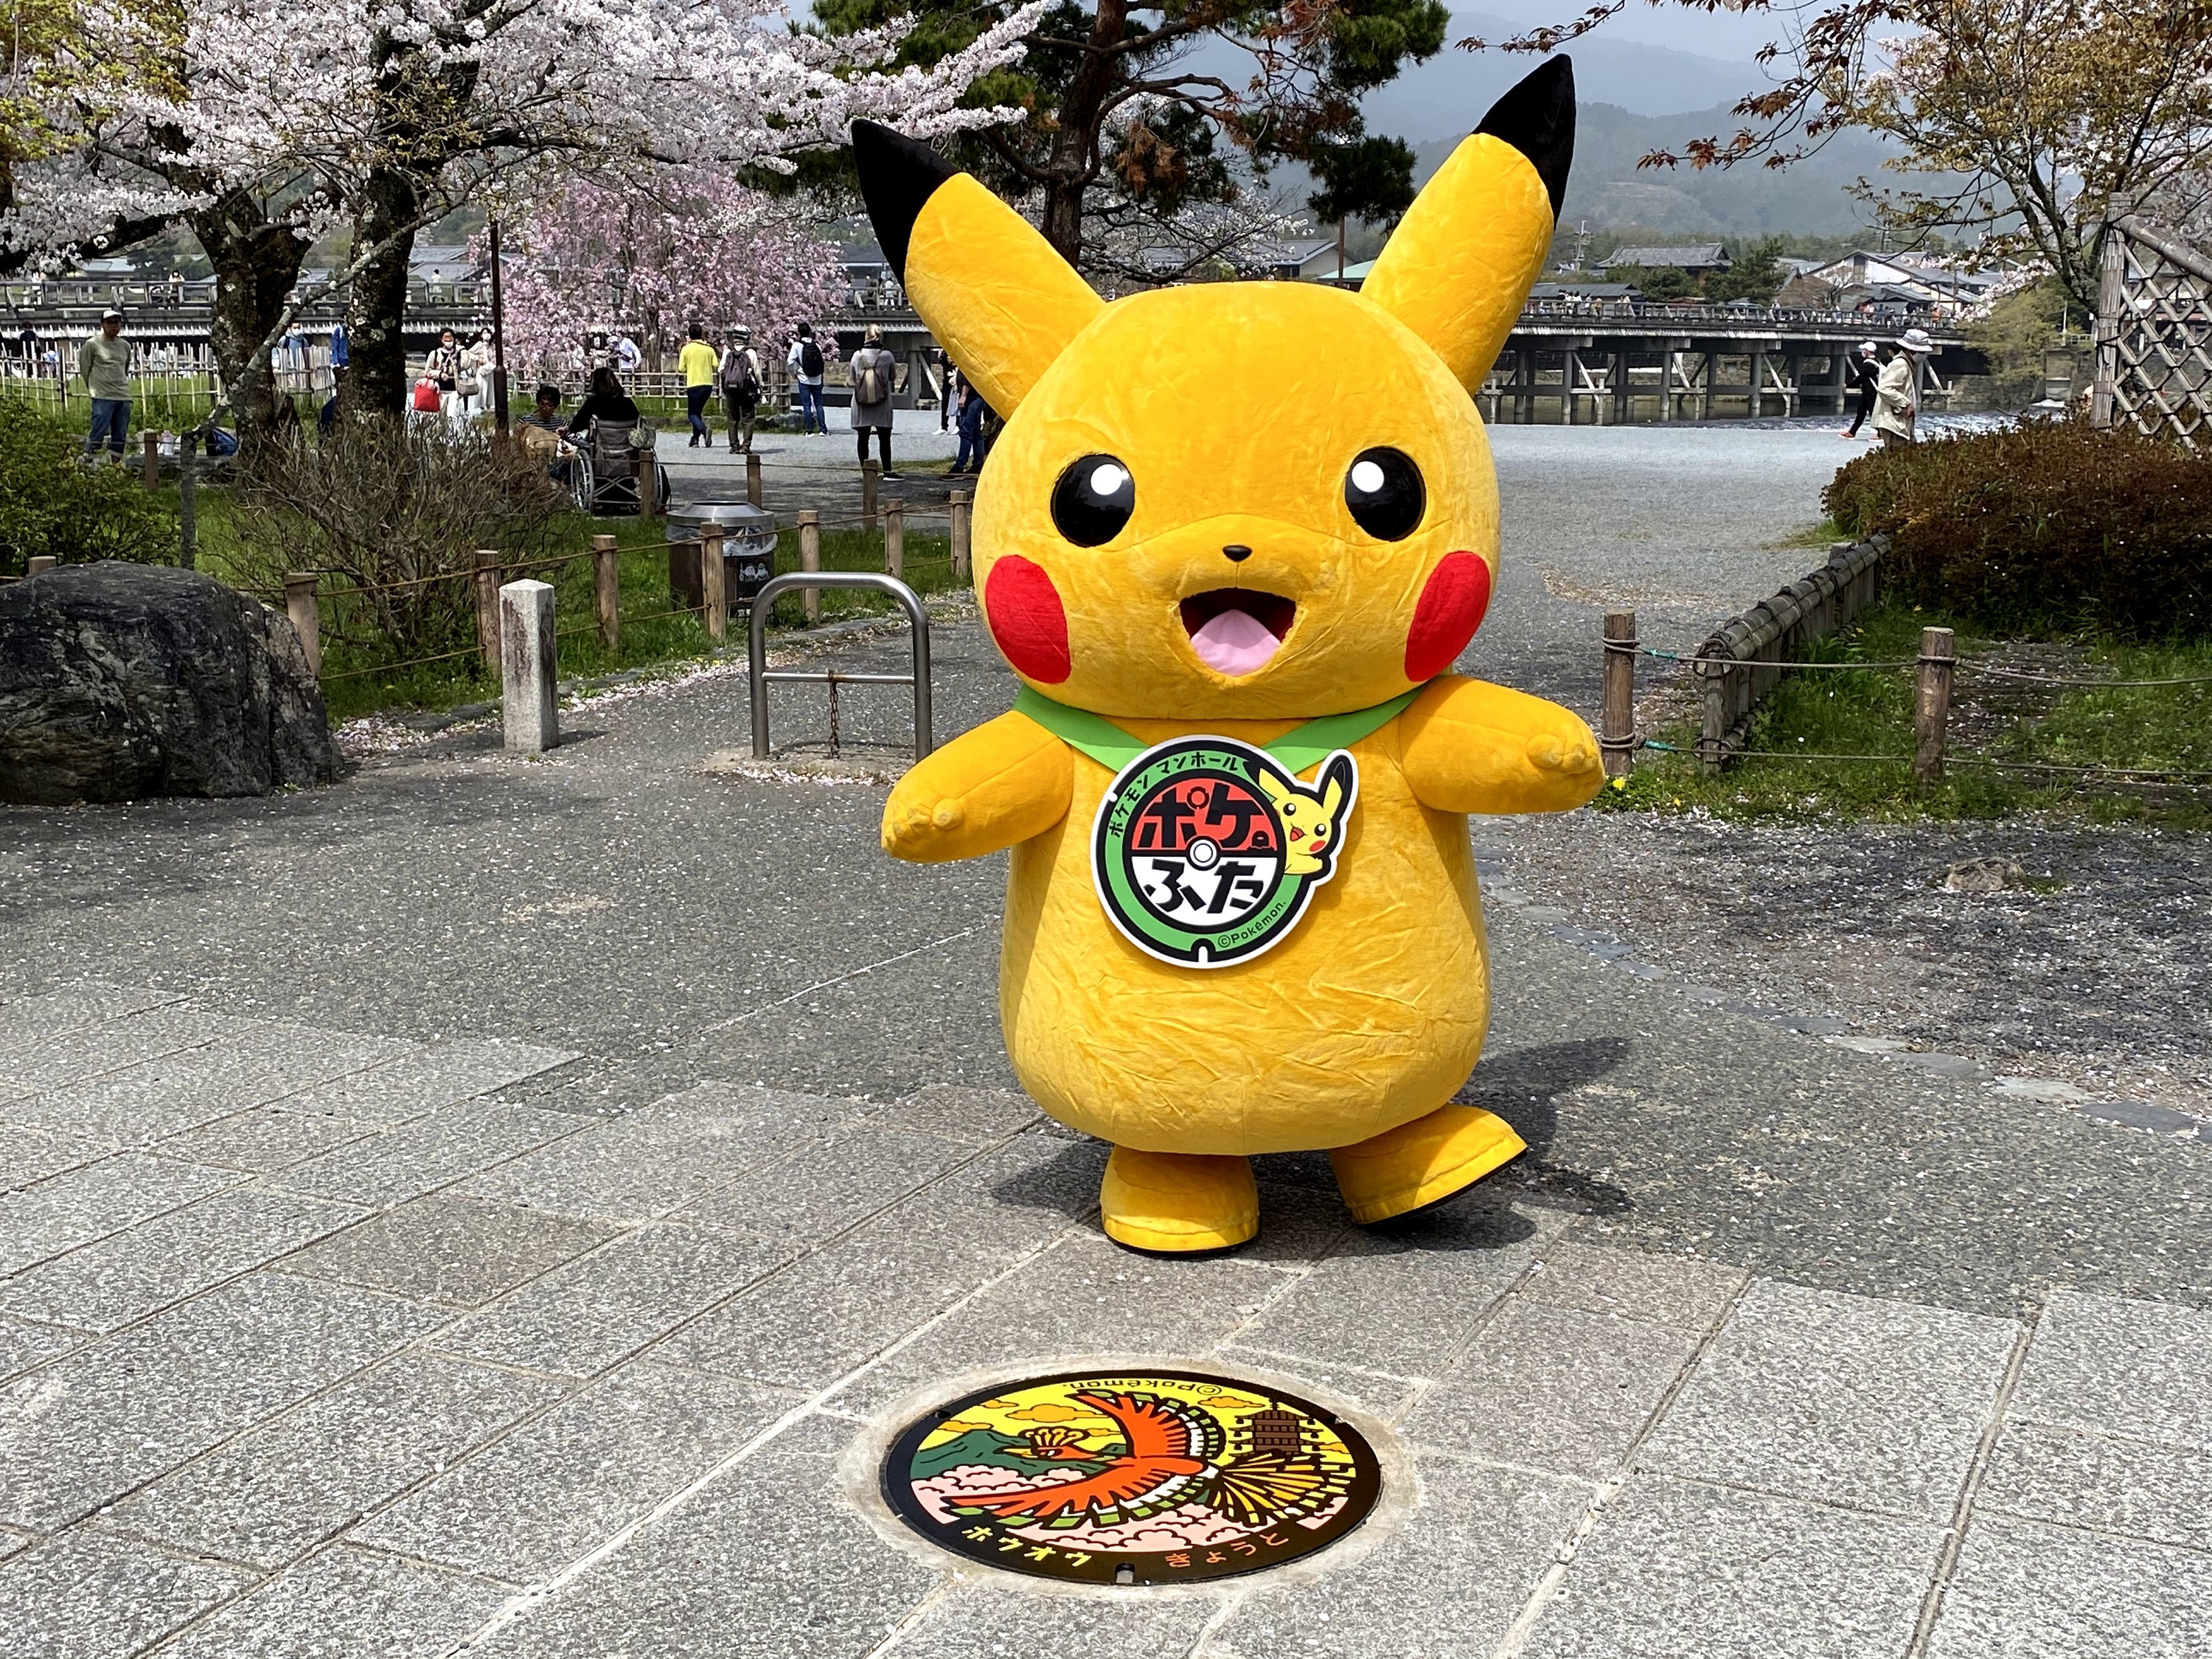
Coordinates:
<point>1093,500</point>
<point>1384,490</point>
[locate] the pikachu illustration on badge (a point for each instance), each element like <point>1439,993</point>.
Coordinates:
<point>1232,542</point>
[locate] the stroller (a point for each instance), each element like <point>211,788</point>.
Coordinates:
<point>605,476</point>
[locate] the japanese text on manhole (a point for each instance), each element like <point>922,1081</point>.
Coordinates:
<point>1154,1479</point>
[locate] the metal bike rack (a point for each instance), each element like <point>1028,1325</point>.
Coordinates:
<point>759,674</point>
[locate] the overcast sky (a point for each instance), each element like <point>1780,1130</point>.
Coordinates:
<point>1714,34</point>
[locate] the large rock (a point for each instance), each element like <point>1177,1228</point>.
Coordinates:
<point>123,680</point>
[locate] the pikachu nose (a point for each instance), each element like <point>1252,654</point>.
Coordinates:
<point>1236,553</point>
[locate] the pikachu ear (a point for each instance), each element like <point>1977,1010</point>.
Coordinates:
<point>1464,256</point>
<point>993,291</point>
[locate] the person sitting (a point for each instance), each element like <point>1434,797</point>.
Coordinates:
<point>603,400</point>
<point>541,433</point>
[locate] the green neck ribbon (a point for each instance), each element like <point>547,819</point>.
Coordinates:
<point>1300,747</point>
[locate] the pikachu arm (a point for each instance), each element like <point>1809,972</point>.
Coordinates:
<point>1469,746</point>
<point>1003,782</point>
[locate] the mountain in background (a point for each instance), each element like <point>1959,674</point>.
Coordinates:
<point>1634,98</point>
<point>1808,197</point>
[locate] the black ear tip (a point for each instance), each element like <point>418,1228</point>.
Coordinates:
<point>898,175</point>
<point>1537,117</point>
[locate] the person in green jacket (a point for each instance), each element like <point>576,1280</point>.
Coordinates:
<point>104,360</point>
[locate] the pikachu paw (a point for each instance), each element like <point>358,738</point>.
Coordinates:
<point>1569,754</point>
<point>910,826</point>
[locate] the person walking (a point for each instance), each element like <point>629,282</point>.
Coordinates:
<point>1897,394</point>
<point>741,387</point>
<point>970,461</point>
<point>104,360</point>
<point>700,365</point>
<point>444,366</point>
<point>806,363</point>
<point>476,376</point>
<point>874,369</point>
<point>948,398</point>
<point>1866,373</point>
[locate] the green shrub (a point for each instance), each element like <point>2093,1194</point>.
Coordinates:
<point>53,504</point>
<point>2051,527</point>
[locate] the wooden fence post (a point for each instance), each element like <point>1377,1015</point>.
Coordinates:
<point>1931,714</point>
<point>606,590</point>
<point>1617,723</point>
<point>752,478</point>
<point>150,471</point>
<point>306,617</point>
<point>488,608</point>
<point>962,507</point>
<point>895,539</point>
<point>869,470</point>
<point>39,564</point>
<point>711,597</point>
<point>648,484</point>
<point>810,559</point>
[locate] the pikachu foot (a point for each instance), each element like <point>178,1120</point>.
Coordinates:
<point>1419,1163</point>
<point>1178,1202</point>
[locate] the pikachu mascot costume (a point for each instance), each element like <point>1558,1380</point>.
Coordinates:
<point>1231,541</point>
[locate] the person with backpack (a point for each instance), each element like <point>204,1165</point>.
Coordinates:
<point>741,387</point>
<point>807,364</point>
<point>873,371</point>
<point>700,366</point>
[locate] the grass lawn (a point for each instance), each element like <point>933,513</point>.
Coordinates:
<point>1993,720</point>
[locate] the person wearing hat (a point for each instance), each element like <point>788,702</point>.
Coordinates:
<point>1897,394</point>
<point>741,387</point>
<point>1866,372</point>
<point>104,360</point>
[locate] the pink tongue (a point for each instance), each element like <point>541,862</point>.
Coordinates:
<point>1234,642</point>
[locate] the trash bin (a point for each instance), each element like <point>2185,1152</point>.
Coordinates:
<point>748,550</point>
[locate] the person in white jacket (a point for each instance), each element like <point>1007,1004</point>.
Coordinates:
<point>1897,394</point>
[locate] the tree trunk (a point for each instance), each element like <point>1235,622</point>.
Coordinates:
<point>256,266</point>
<point>376,310</point>
<point>1075,144</point>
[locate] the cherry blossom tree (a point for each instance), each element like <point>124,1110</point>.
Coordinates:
<point>655,257</point>
<point>271,123</point>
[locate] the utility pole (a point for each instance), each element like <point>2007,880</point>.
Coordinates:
<point>498,341</point>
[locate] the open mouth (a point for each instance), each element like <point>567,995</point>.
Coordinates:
<point>1235,631</point>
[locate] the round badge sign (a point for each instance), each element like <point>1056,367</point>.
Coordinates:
<point>1156,1479</point>
<point>1207,850</point>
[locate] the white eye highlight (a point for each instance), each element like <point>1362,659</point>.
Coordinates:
<point>1366,477</point>
<point>1108,479</point>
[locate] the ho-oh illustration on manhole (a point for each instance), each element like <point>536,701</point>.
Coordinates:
<point>1155,1479</point>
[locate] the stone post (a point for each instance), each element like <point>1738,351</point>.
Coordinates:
<point>869,472</point>
<point>528,669</point>
<point>306,617</point>
<point>39,564</point>
<point>752,478</point>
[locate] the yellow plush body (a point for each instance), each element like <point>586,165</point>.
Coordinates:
<point>1230,416</point>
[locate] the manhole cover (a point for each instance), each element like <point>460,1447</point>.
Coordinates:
<point>1156,1478</point>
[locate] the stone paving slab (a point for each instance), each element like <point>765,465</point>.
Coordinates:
<point>346,1604</point>
<point>29,1155</point>
<point>2023,1591</point>
<point>89,1597</point>
<point>1838,1398</point>
<point>103,1420</point>
<point>578,1318</point>
<point>458,1252</point>
<point>425,1079</point>
<point>1678,1568</point>
<point>548,1419</point>
<point>127,1275</point>
<point>546,1494</point>
<point>279,1489</point>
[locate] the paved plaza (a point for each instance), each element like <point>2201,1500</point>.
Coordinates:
<point>501,1205</point>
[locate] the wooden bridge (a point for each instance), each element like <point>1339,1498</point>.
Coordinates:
<point>1598,363</point>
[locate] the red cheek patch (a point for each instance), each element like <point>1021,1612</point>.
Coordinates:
<point>1451,609</point>
<point>1027,619</point>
